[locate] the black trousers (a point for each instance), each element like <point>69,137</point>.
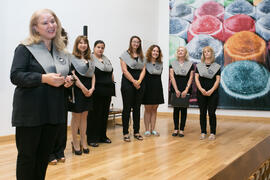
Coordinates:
<point>98,118</point>
<point>208,103</point>
<point>60,143</point>
<point>176,111</point>
<point>34,145</point>
<point>132,98</point>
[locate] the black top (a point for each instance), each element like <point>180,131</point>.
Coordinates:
<point>104,83</point>
<point>135,73</point>
<point>207,83</point>
<point>82,103</point>
<point>181,81</point>
<point>34,103</point>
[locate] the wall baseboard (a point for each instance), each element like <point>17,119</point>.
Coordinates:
<point>4,139</point>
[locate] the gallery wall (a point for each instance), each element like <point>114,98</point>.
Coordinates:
<point>112,21</point>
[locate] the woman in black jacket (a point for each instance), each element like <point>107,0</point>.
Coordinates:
<point>104,90</point>
<point>39,71</point>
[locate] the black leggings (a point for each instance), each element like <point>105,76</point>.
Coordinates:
<point>176,111</point>
<point>208,103</point>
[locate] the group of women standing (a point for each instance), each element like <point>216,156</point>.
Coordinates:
<point>141,84</point>
<point>139,79</point>
<point>50,82</point>
<point>91,95</point>
<point>207,78</point>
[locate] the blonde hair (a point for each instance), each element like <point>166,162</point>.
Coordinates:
<point>186,56</point>
<point>34,36</point>
<point>76,52</point>
<point>212,54</point>
<point>149,54</point>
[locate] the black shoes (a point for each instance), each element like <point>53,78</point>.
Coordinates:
<point>79,152</point>
<point>105,140</point>
<point>101,140</point>
<point>138,137</point>
<point>175,134</point>
<point>181,135</point>
<point>86,151</point>
<point>93,144</point>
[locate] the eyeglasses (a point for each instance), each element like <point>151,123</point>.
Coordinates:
<point>137,42</point>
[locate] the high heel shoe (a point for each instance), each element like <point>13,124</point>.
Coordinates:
<point>79,152</point>
<point>85,151</point>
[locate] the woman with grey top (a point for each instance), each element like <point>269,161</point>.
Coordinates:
<point>104,90</point>
<point>132,86</point>
<point>207,78</point>
<point>153,95</point>
<point>40,71</point>
<point>83,68</point>
<point>181,75</point>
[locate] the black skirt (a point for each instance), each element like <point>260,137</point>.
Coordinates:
<point>153,90</point>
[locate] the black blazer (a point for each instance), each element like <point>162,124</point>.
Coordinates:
<point>34,103</point>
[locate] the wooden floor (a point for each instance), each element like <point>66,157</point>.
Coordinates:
<point>160,158</point>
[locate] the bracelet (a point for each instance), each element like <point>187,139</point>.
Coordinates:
<point>139,81</point>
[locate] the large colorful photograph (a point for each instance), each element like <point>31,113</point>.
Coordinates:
<point>239,33</point>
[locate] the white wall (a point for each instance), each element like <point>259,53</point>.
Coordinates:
<point>163,38</point>
<point>113,21</point>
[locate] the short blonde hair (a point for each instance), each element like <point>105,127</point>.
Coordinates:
<point>34,36</point>
<point>212,54</point>
<point>186,51</point>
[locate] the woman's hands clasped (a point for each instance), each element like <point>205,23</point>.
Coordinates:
<point>86,92</point>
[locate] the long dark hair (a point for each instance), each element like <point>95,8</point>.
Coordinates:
<point>139,50</point>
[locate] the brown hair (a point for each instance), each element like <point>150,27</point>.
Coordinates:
<point>149,54</point>
<point>212,54</point>
<point>139,50</point>
<point>76,52</point>
<point>34,36</point>
<point>186,56</point>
